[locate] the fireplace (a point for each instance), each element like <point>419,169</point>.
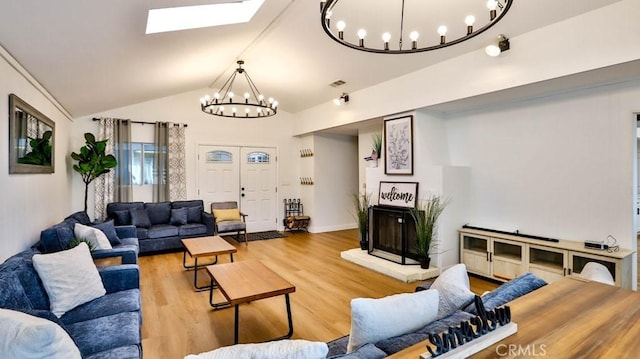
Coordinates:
<point>392,234</point>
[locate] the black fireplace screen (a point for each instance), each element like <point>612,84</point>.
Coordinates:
<point>392,234</point>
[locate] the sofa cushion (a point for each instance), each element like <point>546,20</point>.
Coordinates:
<point>122,218</point>
<point>69,277</point>
<point>142,233</point>
<point>106,333</point>
<point>376,319</point>
<point>231,226</point>
<point>81,217</point>
<point>95,238</point>
<point>57,237</point>
<point>178,217</point>
<point>163,230</point>
<point>194,214</point>
<point>192,229</point>
<point>27,336</point>
<point>109,229</point>
<point>281,349</point>
<point>453,287</point>
<point>22,266</point>
<point>509,291</point>
<point>113,303</point>
<point>159,213</point>
<point>140,218</point>
<point>12,295</point>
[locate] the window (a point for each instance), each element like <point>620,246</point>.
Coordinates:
<point>220,156</point>
<point>258,157</point>
<point>142,168</point>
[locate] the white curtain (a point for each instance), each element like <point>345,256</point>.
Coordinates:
<point>114,186</point>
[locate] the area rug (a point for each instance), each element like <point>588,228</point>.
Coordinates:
<point>258,236</point>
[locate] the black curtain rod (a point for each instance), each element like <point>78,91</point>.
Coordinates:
<point>140,122</point>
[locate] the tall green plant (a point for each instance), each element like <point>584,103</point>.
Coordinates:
<point>426,216</point>
<point>361,205</point>
<point>93,162</point>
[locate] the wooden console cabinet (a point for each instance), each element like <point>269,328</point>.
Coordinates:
<point>504,257</point>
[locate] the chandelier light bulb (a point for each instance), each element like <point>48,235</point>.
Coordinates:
<point>470,20</point>
<point>442,31</point>
<point>492,5</point>
<point>362,33</point>
<point>216,95</point>
<point>271,100</point>
<point>414,35</point>
<point>203,101</point>
<point>275,104</point>
<point>246,95</point>
<point>234,110</point>
<point>386,37</point>
<point>230,95</point>
<point>341,25</point>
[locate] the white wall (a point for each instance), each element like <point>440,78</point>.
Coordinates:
<point>205,129</point>
<point>30,202</point>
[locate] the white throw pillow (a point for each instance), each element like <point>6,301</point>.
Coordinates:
<point>454,289</point>
<point>283,349</point>
<point>25,336</point>
<point>376,319</point>
<point>92,235</point>
<point>69,277</point>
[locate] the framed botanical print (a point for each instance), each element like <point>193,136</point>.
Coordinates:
<point>398,146</point>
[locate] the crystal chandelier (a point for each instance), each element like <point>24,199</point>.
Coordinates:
<point>423,22</point>
<point>226,103</point>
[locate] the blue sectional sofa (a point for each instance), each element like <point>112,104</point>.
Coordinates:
<point>383,348</point>
<point>160,226</point>
<point>105,328</point>
<point>58,237</point>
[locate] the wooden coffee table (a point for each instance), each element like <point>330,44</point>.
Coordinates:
<point>248,281</point>
<point>204,247</point>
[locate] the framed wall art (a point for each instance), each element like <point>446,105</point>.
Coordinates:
<point>398,146</point>
<point>398,194</point>
<point>31,139</point>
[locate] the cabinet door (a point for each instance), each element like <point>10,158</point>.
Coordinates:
<point>474,253</point>
<point>548,263</point>
<point>578,260</point>
<point>507,259</point>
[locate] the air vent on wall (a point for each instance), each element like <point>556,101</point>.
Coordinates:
<point>337,83</point>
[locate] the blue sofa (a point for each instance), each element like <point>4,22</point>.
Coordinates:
<point>383,348</point>
<point>160,226</point>
<point>57,238</point>
<point>104,328</point>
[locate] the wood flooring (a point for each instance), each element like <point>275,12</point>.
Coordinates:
<point>178,321</point>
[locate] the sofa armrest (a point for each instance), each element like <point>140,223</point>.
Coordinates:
<point>121,277</point>
<point>126,231</point>
<point>128,253</point>
<point>207,220</point>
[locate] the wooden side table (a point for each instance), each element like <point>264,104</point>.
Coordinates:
<point>204,247</point>
<point>248,281</point>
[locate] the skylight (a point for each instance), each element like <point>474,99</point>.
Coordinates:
<point>194,17</point>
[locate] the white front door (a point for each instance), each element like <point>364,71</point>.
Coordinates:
<point>258,188</point>
<point>246,175</point>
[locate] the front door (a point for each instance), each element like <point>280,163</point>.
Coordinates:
<point>246,175</point>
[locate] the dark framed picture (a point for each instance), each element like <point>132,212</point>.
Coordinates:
<point>398,146</point>
<point>398,194</point>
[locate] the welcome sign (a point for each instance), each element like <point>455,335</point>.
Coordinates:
<point>398,194</point>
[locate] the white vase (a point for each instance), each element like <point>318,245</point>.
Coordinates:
<point>373,163</point>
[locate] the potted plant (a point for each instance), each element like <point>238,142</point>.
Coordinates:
<point>361,206</point>
<point>376,150</point>
<point>93,162</point>
<point>425,216</point>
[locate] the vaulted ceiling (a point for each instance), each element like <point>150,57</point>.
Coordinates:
<point>93,55</point>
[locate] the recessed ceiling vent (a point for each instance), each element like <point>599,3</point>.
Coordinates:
<point>337,83</point>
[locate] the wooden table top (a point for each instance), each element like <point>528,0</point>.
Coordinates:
<point>247,281</point>
<point>567,319</point>
<point>207,246</point>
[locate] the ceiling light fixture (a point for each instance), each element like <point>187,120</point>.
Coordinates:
<point>252,104</point>
<point>425,20</point>
<point>501,45</point>
<point>342,100</point>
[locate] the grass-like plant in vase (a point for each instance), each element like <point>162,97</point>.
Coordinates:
<point>425,216</point>
<point>93,162</point>
<point>361,203</point>
<point>376,144</point>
